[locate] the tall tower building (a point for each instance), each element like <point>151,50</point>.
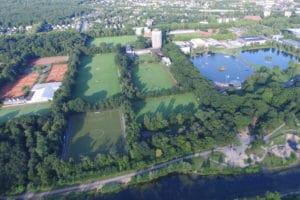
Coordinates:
<point>156,39</point>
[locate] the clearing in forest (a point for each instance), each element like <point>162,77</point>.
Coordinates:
<point>92,133</point>
<point>7,113</point>
<point>125,39</point>
<point>166,105</point>
<point>97,78</point>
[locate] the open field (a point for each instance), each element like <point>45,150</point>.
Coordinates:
<point>17,111</point>
<point>126,39</point>
<point>152,77</point>
<point>166,105</point>
<point>57,73</point>
<point>49,60</point>
<point>15,89</point>
<point>146,58</point>
<point>98,78</point>
<point>93,133</point>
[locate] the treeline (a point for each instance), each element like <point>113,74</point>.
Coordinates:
<point>16,13</point>
<point>106,32</point>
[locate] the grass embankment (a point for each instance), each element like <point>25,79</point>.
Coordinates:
<point>97,78</point>
<point>125,39</point>
<point>93,133</point>
<point>17,111</point>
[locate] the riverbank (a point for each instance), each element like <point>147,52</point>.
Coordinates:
<point>221,161</point>
<point>182,186</point>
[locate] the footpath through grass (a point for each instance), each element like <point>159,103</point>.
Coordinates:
<point>97,78</point>
<point>125,39</point>
<point>152,77</point>
<point>166,105</point>
<point>17,111</point>
<point>92,133</point>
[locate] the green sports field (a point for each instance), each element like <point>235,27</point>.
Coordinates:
<point>146,58</point>
<point>125,39</point>
<point>97,78</point>
<point>93,133</point>
<point>17,111</point>
<point>166,105</point>
<point>152,77</point>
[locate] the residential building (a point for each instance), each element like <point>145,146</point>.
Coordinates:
<point>156,39</point>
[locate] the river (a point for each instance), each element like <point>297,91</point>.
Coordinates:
<point>181,187</point>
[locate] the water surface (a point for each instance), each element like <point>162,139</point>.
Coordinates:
<point>240,67</point>
<point>188,187</point>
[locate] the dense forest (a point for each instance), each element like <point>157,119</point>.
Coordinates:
<point>16,51</point>
<point>19,12</point>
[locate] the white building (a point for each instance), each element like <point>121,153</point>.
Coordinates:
<point>166,61</point>
<point>287,13</point>
<point>44,92</point>
<point>295,31</point>
<point>277,37</point>
<point>138,30</point>
<point>182,32</point>
<point>267,13</point>
<point>156,39</point>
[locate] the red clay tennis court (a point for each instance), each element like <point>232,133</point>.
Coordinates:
<point>49,60</point>
<point>16,89</point>
<point>57,73</point>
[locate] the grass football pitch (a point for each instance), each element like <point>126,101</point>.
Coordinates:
<point>92,133</point>
<point>17,111</point>
<point>166,105</point>
<point>152,77</point>
<point>97,78</point>
<point>126,39</point>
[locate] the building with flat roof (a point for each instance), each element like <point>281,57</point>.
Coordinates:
<point>252,40</point>
<point>156,39</point>
<point>44,92</point>
<point>293,43</point>
<point>294,31</point>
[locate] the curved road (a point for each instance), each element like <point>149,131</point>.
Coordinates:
<point>98,184</point>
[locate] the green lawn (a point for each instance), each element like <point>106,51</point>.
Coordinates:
<point>166,105</point>
<point>126,39</point>
<point>98,78</point>
<point>152,77</point>
<point>146,58</point>
<point>93,133</point>
<point>17,111</point>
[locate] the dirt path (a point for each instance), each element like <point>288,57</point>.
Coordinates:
<point>267,137</point>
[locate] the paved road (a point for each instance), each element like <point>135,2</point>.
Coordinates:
<point>98,184</point>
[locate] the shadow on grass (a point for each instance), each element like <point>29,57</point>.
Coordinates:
<point>87,144</point>
<point>165,109</point>
<point>8,116</point>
